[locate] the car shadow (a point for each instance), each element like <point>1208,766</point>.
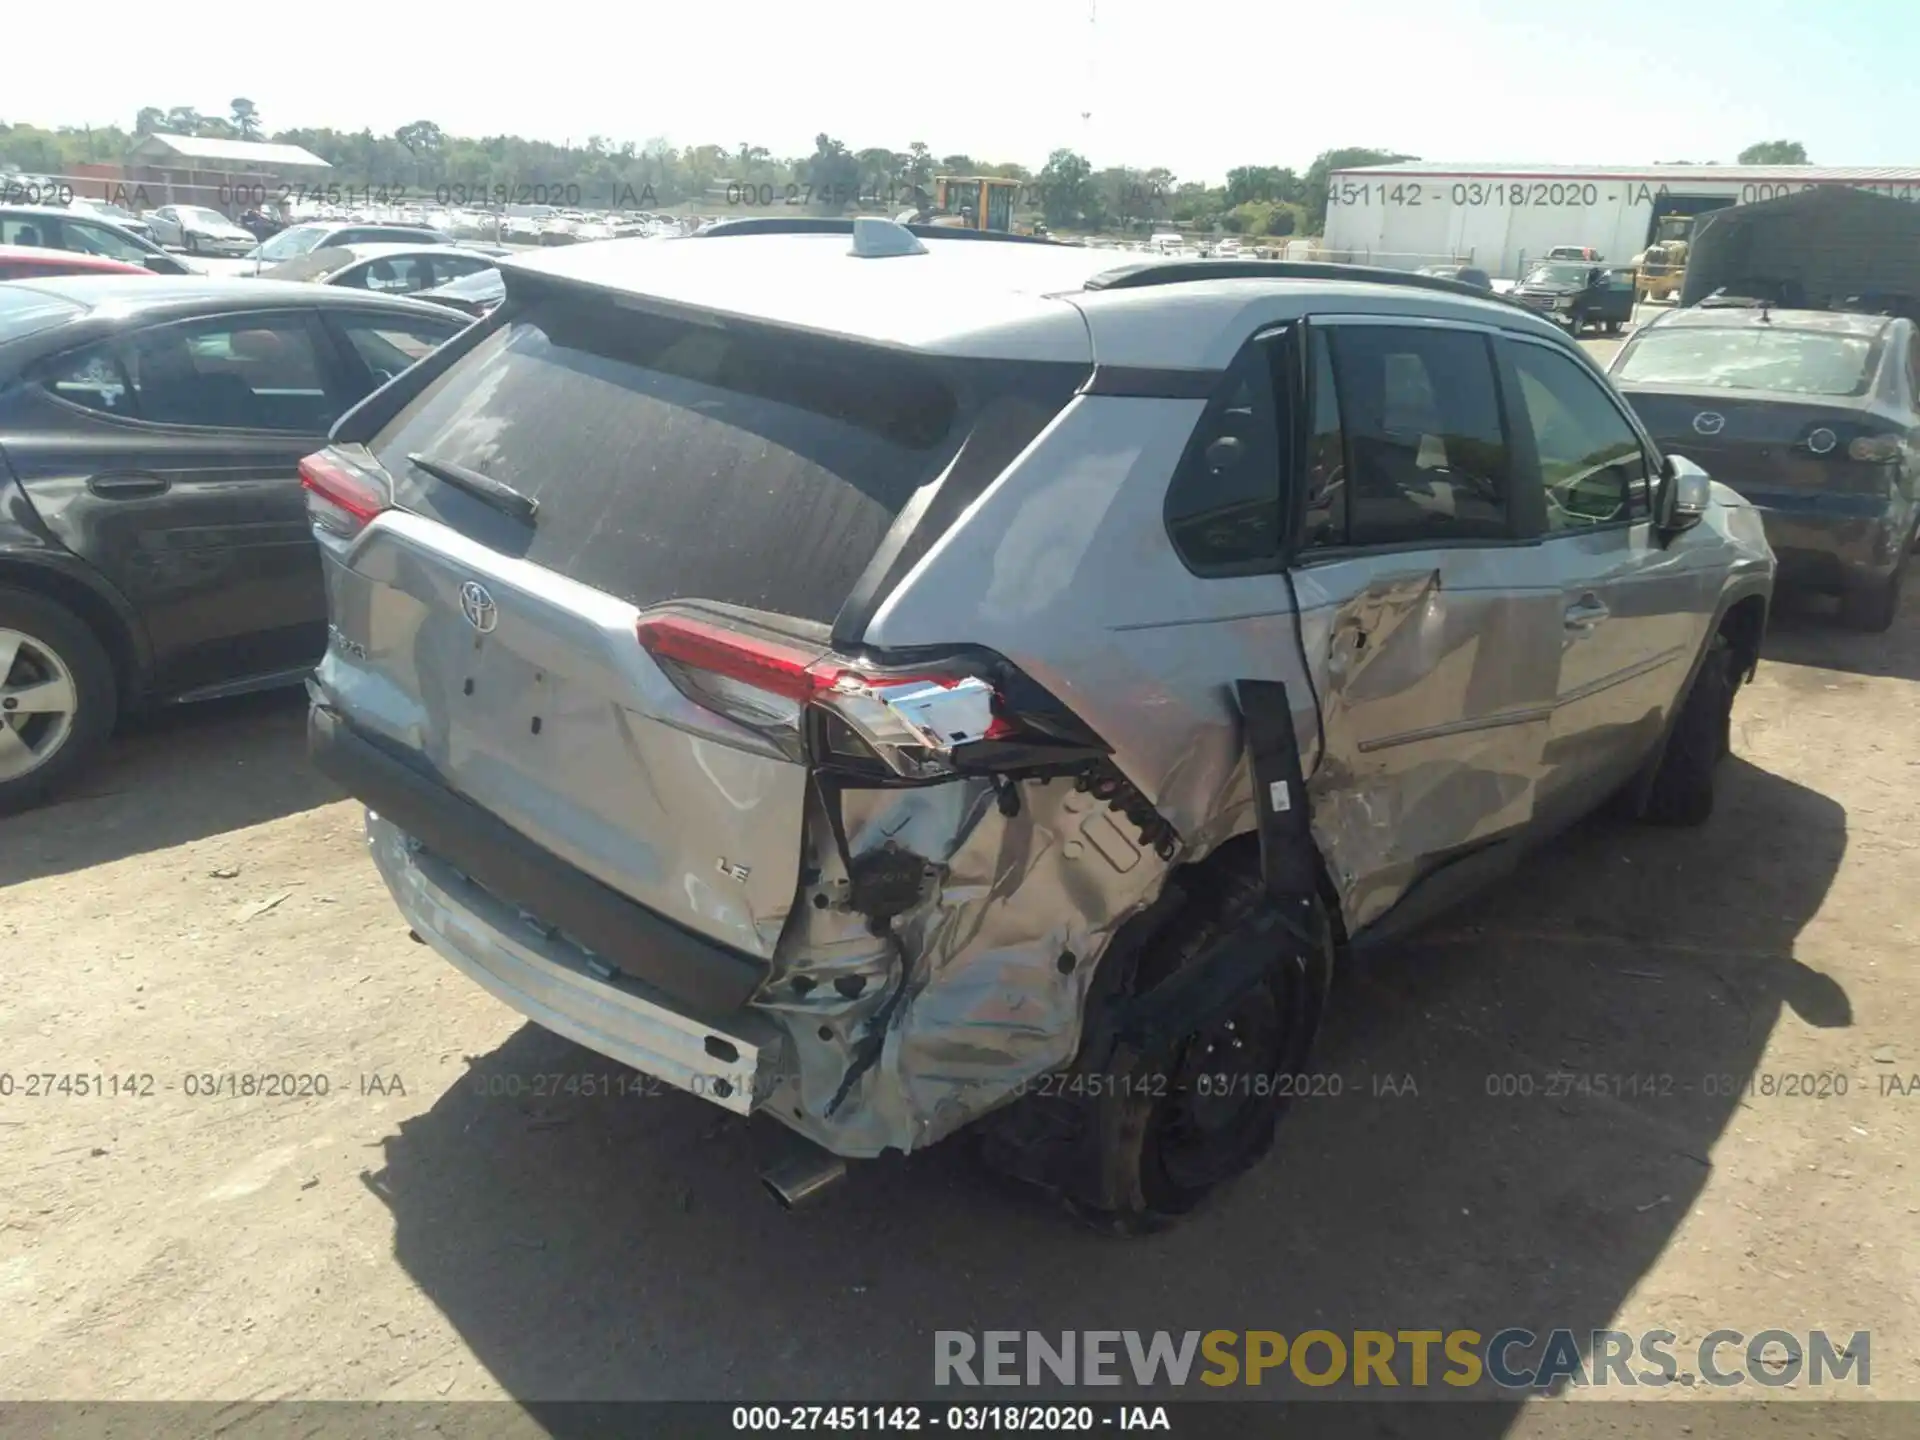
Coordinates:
<point>618,1247</point>
<point>1806,630</point>
<point>171,777</point>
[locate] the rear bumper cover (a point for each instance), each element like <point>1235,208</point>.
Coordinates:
<point>1835,552</point>
<point>735,1063</point>
<point>684,969</point>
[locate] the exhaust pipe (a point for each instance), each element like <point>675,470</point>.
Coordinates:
<point>803,1177</point>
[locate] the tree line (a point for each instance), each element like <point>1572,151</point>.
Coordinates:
<point>1066,192</point>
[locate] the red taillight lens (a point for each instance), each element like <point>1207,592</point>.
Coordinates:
<point>751,660</point>
<point>340,499</point>
<point>907,722</point>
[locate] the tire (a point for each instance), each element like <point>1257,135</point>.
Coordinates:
<point>1154,1134</point>
<point>1613,327</point>
<point>1874,609</point>
<point>1682,789</point>
<point>45,645</point>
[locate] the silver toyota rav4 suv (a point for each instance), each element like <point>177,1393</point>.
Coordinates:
<point>899,681</point>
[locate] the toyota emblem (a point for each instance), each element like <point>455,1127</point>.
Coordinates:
<point>1709,422</point>
<point>477,605</point>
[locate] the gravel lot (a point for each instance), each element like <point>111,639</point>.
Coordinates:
<point>205,907</point>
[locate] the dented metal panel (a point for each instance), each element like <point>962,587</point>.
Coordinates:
<point>979,987</point>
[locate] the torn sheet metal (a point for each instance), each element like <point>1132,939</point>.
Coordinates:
<point>985,988</point>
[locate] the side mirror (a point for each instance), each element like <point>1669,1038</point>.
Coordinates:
<point>1685,494</point>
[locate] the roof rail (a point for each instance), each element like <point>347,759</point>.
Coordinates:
<point>1179,272</point>
<point>827,225</point>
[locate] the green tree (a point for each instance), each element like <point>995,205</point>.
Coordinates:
<point>150,119</point>
<point>246,117</point>
<point>1314,196</point>
<point>423,141</point>
<point>1775,152</point>
<point>1068,196</point>
<point>1262,182</point>
<point>919,167</point>
<point>183,120</point>
<point>832,172</point>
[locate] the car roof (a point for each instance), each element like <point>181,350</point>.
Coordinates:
<point>111,297</point>
<point>374,250</point>
<point>980,297</point>
<point>416,225</point>
<point>40,255</point>
<point>1743,317</point>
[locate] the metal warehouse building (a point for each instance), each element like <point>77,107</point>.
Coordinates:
<point>1499,217</point>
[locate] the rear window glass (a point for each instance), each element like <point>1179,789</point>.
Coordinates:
<point>1796,362</point>
<point>676,460</point>
<point>25,311</point>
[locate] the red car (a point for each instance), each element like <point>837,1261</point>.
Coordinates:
<point>30,262</point>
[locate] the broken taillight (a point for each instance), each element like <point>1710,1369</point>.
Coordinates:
<point>907,721</point>
<point>342,499</point>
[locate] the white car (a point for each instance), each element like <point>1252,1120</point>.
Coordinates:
<point>304,239</point>
<point>198,231</point>
<point>383,269</point>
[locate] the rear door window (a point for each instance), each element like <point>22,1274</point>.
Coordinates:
<point>1426,450</point>
<point>251,372</point>
<point>678,460</point>
<point>98,240</point>
<point>35,230</point>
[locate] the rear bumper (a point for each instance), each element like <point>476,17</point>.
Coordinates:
<point>682,968</point>
<point>1831,553</point>
<point>735,1063</point>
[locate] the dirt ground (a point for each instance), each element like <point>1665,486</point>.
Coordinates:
<point>204,910</point>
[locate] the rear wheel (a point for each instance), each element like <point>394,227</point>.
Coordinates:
<point>1153,1133</point>
<point>1874,608</point>
<point>1682,789</point>
<point>57,697</point>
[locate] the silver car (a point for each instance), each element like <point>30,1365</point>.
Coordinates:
<point>896,681</point>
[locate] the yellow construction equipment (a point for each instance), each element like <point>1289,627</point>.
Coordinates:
<point>1662,266</point>
<point>974,202</point>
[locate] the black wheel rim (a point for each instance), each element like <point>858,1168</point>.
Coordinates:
<point>1229,1083</point>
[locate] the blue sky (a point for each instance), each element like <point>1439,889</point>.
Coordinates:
<point>1195,85</point>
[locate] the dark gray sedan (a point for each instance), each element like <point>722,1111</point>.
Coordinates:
<point>1813,416</point>
<point>154,543</point>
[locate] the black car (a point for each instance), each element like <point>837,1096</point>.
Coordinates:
<point>154,542</point>
<point>476,294</point>
<point>1465,274</point>
<point>1578,293</point>
<point>51,228</point>
<point>1814,417</point>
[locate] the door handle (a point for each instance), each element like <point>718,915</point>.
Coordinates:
<point>1586,612</point>
<point>126,486</point>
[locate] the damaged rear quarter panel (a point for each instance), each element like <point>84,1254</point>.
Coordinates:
<point>986,987</point>
<point>1063,567</point>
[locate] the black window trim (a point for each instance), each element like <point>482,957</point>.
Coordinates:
<point>326,357</point>
<point>1491,335</point>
